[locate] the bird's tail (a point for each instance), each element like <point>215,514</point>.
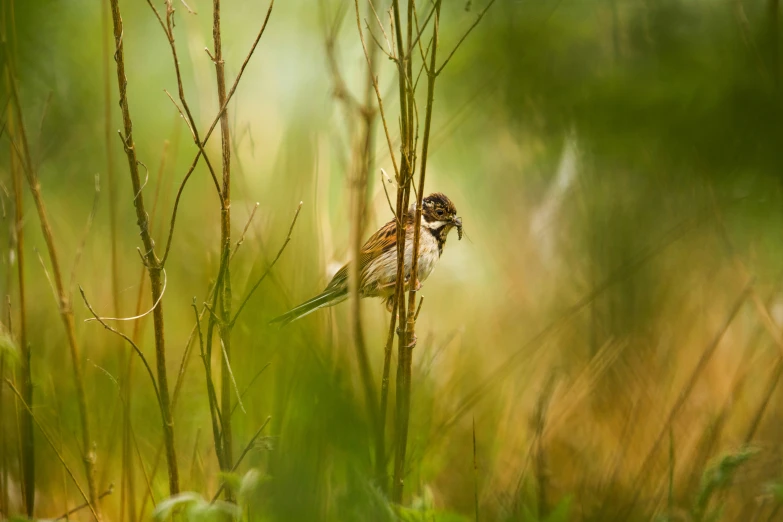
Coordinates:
<point>324,299</point>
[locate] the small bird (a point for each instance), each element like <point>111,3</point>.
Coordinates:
<point>378,258</point>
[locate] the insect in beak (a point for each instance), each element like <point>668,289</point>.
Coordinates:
<point>458,223</point>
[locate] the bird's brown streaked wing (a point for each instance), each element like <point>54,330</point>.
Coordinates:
<point>384,239</point>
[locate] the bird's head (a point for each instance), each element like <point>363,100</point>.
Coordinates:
<point>440,214</point>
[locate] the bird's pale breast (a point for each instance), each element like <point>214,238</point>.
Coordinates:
<point>383,269</point>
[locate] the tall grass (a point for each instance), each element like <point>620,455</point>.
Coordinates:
<point>604,345</point>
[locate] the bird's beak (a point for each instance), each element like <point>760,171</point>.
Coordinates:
<point>458,224</point>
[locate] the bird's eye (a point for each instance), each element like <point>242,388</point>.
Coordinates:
<point>439,212</point>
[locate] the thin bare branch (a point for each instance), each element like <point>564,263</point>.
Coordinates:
<point>464,36</point>
<point>274,261</point>
<point>386,191</point>
<point>380,26</point>
<point>190,10</point>
<point>184,117</point>
<point>249,385</point>
<point>209,133</point>
<point>187,115</point>
<point>247,449</point>
<point>128,339</point>
<point>380,47</point>
<point>233,380</point>
<point>420,30</point>
<point>244,230</point>
<point>135,317</point>
<point>377,93</point>
<point>67,514</point>
<point>214,409</point>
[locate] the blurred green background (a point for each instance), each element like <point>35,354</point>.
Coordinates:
<point>617,165</point>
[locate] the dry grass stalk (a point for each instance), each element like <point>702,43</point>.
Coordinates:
<point>25,370</point>
<point>362,141</point>
<point>21,148</point>
<point>153,264</point>
<point>685,392</point>
<point>223,288</point>
<point>409,127</point>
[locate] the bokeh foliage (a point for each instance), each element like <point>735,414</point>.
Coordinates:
<point>614,162</point>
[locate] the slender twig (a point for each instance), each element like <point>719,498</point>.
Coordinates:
<point>377,43</point>
<point>187,121</point>
<point>28,449</point>
<point>70,512</point>
<point>130,341</point>
<point>244,230</point>
<point>138,316</point>
<point>377,93</point>
<point>168,29</point>
<point>420,30</point>
<point>233,380</point>
<point>380,26</point>
<point>388,199</point>
<point>247,449</point>
<point>249,385</point>
<point>49,440</point>
<point>271,265</point>
<point>214,408</point>
<point>209,133</point>
<point>464,36</point>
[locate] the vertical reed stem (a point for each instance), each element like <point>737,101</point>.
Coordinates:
<point>154,267</point>
<point>407,335</point>
<point>25,369</point>
<point>223,289</point>
<point>21,148</point>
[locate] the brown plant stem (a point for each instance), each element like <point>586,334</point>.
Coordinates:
<point>410,330</point>
<point>209,133</point>
<point>25,369</point>
<point>154,267</point>
<point>223,288</point>
<point>361,160</point>
<point>403,195</point>
<point>65,309</point>
<point>127,482</point>
<point>70,512</point>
